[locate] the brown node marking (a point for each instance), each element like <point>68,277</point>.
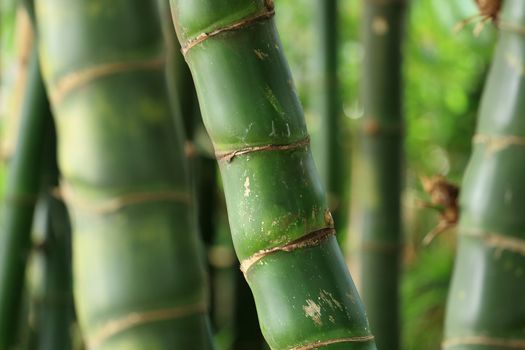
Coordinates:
<point>22,199</point>
<point>245,22</point>
<point>323,343</point>
<point>372,127</point>
<point>498,143</point>
<point>310,240</point>
<point>497,240</point>
<point>443,198</point>
<point>484,341</point>
<point>111,205</point>
<point>135,319</point>
<point>228,156</point>
<point>84,76</point>
<point>386,2</point>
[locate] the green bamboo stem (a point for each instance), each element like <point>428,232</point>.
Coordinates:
<point>22,187</point>
<point>52,297</point>
<point>326,147</point>
<point>280,223</point>
<point>485,308</point>
<point>139,281</point>
<point>376,216</point>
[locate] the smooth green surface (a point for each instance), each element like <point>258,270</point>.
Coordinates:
<point>378,169</point>
<point>117,137</point>
<point>274,197</point>
<point>489,283</point>
<point>19,201</point>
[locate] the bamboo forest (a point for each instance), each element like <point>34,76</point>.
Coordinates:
<point>262,174</point>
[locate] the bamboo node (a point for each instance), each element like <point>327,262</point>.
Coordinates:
<point>77,79</point>
<point>498,143</point>
<point>497,240</point>
<point>21,199</point>
<point>136,319</point>
<point>111,205</point>
<point>484,341</point>
<point>310,240</point>
<point>323,343</point>
<point>245,22</point>
<point>229,156</point>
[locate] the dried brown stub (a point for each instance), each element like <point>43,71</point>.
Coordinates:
<point>443,198</point>
<point>489,8</point>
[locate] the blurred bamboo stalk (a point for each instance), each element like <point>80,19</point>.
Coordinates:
<point>22,186</point>
<point>326,108</point>
<point>51,293</point>
<point>125,176</point>
<point>378,171</point>
<point>485,308</point>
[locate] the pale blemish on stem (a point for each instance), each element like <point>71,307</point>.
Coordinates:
<point>313,311</point>
<point>247,189</point>
<point>270,96</point>
<point>260,54</point>
<point>515,63</point>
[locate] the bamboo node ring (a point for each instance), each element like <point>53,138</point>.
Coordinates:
<point>111,205</point>
<point>245,22</point>
<point>320,344</point>
<point>135,319</point>
<point>229,156</point>
<point>74,80</point>
<point>312,239</point>
<point>484,341</point>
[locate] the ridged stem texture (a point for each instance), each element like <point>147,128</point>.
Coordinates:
<point>281,226</point>
<point>139,280</point>
<point>378,170</point>
<point>485,305</point>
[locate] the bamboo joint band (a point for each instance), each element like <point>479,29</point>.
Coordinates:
<point>499,142</point>
<point>323,343</point>
<point>84,76</point>
<point>498,240</point>
<point>135,319</point>
<point>228,156</point>
<point>310,240</point>
<point>484,341</point>
<point>245,22</point>
<point>511,27</point>
<point>115,204</point>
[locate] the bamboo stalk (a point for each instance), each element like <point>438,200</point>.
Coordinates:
<point>53,297</point>
<point>484,309</point>
<point>378,174</point>
<point>326,141</point>
<point>281,226</point>
<point>22,187</point>
<point>139,280</point>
